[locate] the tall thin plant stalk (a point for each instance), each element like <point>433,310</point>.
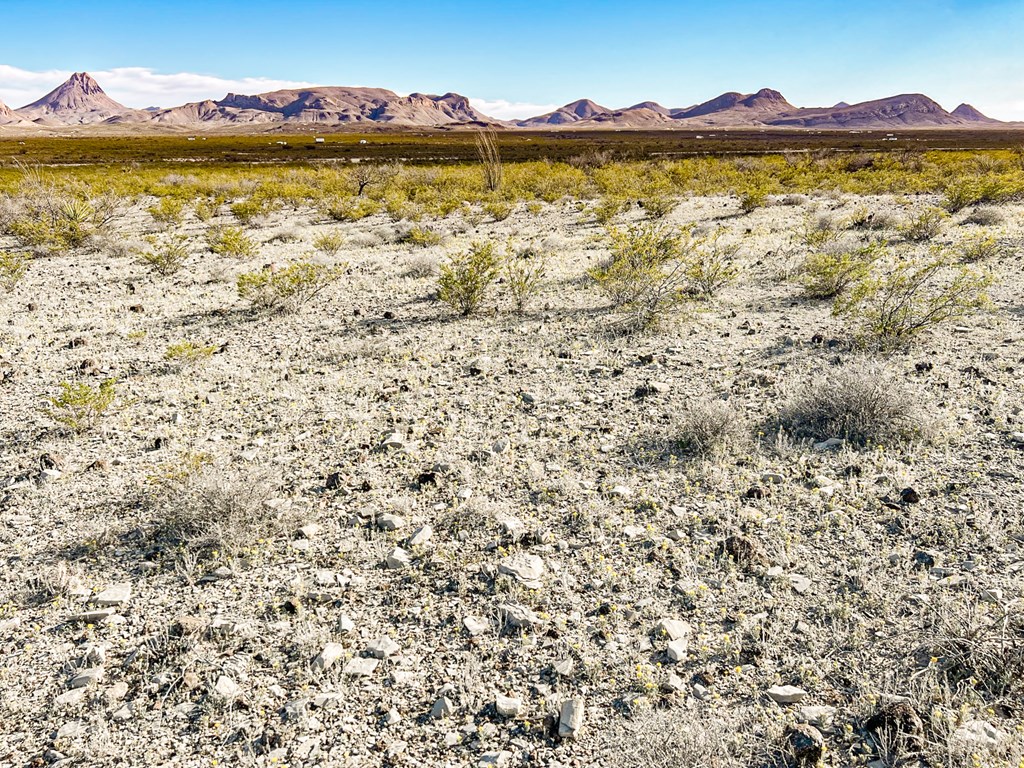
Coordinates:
<point>487,149</point>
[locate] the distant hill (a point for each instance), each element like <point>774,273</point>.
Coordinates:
<point>80,101</point>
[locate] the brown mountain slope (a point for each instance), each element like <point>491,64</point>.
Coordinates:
<point>634,117</point>
<point>737,109</point>
<point>8,116</point>
<point>78,101</point>
<point>906,110</point>
<point>971,114</point>
<point>573,112</point>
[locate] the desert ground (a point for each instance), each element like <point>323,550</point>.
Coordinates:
<point>372,531</point>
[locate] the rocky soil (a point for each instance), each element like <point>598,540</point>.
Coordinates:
<point>374,534</point>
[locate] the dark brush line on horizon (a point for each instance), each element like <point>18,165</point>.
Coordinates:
<point>80,101</point>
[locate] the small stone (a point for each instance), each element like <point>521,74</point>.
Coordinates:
<point>570,720</point>
<point>309,531</point>
<point>909,496</point>
<point>70,698</point>
<point>389,522</point>
<point>421,537</point>
<point>994,595</point>
<point>673,629</point>
<point>383,648</point>
<point>398,559</point>
<point>621,492</point>
<point>494,759</point>
<point>786,694</point>
<point>832,444</point>
<point>393,717</point>
<point>442,708</point>
<point>799,583</point>
<point>819,716</point>
<point>87,678</point>
<point>112,596</point>
<point>898,720</point>
<point>501,445</point>
<point>507,706</point>
<point>700,691</point>
<point>519,616</point>
<point>677,649</point>
<point>564,667</point>
<point>475,626</point>
<point>772,478</point>
<point>331,653</point>
<point>394,441</point>
<point>122,714</point>
<point>979,733</point>
<point>227,688</point>
<point>674,684</point>
<point>117,691</point>
<point>345,624</point>
<point>360,667</point>
<point>525,568</point>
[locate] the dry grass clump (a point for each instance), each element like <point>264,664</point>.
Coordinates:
<point>859,402</point>
<point>208,511</point>
<point>711,428</point>
<point>985,217</point>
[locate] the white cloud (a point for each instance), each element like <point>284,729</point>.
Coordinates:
<point>136,86</point>
<point>510,110</point>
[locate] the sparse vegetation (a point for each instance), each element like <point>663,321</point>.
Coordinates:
<point>13,267</point>
<point>167,255</point>
<point>923,226</point>
<point>467,277</point>
<point>827,274</point>
<point>79,406</point>
<point>231,241</point>
<point>289,288</point>
<point>525,270</point>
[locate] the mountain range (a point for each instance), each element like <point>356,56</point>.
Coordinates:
<point>80,101</point>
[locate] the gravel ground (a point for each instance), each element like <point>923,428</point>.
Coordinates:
<point>371,533</point>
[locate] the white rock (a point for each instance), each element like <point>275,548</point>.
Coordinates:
<point>621,492</point>
<point>398,559</point>
<point>508,706</point>
<point>383,648</point>
<point>832,444</point>
<point>526,568</point>
<point>330,654</point>
<point>87,678</point>
<point>673,629</point>
<point>70,698</point>
<point>421,536</point>
<point>570,720</point>
<point>390,522</point>
<point>494,759</point>
<point>786,694</point>
<point>345,624</point>
<point>393,440</point>
<point>819,716</point>
<point>519,616</point>
<point>360,667</point>
<point>442,708</point>
<point>475,626</point>
<point>227,688</point>
<point>979,733</point>
<point>114,595</point>
<point>677,649</point>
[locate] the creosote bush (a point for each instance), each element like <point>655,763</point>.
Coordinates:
<point>168,210</point>
<point>189,352</point>
<point>467,276</point>
<point>712,266</point>
<point>166,256</point>
<point>859,402</point>
<point>924,226</point>
<point>710,428</point>
<point>827,274</point>
<point>13,267</point>
<point>288,289</point>
<point>422,237</point>
<point>524,271</point>
<point>891,306</point>
<point>79,406</point>
<point>981,248</point>
<point>231,241</point>
<point>329,243</point>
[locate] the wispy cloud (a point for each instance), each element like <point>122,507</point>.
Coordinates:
<point>511,110</point>
<point>136,86</point>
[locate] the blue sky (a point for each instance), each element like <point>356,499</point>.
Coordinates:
<point>520,57</point>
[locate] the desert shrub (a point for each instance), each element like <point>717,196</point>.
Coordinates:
<point>964,191</point>
<point>859,402</point>
<point>525,270</point>
<point>709,429</point>
<point>13,267</point>
<point>752,197</point>
<point>422,236</point>
<point>499,210</point>
<point>79,406</point>
<point>54,221</point>
<point>607,208</point>
<point>205,209</point>
<point>421,265</point>
<point>827,274</point>
<point>168,210</point>
<point>981,248</point>
<point>351,208</point>
<point>659,206</point>
<point>213,512</point>
<point>231,241</point>
<point>467,276</point>
<point>984,217</point>
<point>646,276</point>
<point>924,226</point>
<point>329,243</point>
<point>818,232</point>
<point>891,308</point>
<point>288,289</point>
<point>712,266</point>
<point>247,211</point>
<point>189,352</point>
<point>166,256</point>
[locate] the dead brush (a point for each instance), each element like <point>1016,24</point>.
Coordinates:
<point>859,402</point>
<point>212,511</point>
<point>709,429</point>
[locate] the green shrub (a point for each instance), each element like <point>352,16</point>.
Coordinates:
<point>168,210</point>
<point>466,278</point>
<point>753,197</point>
<point>646,276</point>
<point>818,232</point>
<point>288,289</point>
<point>827,274</point>
<point>167,256</point>
<point>525,270</point>
<point>981,248</point>
<point>13,267</point>
<point>499,210</point>
<point>247,211</point>
<point>231,241</point>
<point>890,309</point>
<point>205,209</point>
<point>422,236</point>
<point>607,208</point>
<point>79,407</point>
<point>189,353</point>
<point>712,266</point>
<point>659,206</point>
<point>329,243</point>
<point>924,226</point>
<point>352,208</point>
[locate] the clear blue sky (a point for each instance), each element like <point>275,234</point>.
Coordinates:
<point>543,52</point>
